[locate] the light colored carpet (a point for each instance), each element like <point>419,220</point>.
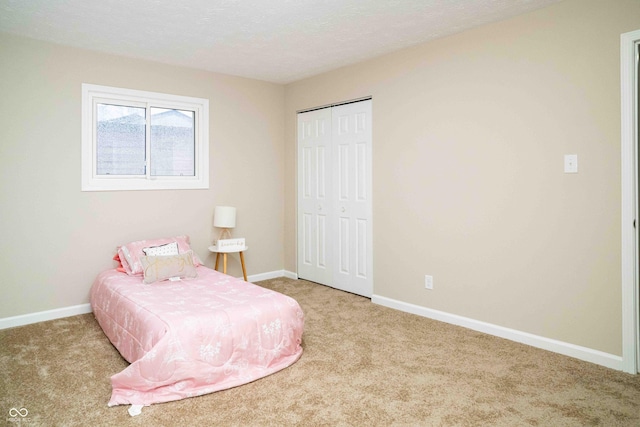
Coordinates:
<point>363,365</point>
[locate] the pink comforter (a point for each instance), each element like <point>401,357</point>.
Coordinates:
<point>193,337</point>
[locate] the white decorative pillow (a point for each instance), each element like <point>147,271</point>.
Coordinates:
<point>131,252</point>
<point>158,268</point>
<point>164,250</point>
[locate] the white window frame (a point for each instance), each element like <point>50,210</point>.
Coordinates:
<point>91,181</point>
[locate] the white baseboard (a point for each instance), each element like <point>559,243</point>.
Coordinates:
<point>567,349</point>
<point>290,275</point>
<point>43,316</point>
<point>578,352</point>
<point>272,275</point>
<point>265,276</point>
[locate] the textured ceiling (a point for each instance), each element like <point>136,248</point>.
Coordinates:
<point>274,40</point>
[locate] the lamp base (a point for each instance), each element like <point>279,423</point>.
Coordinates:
<point>225,233</point>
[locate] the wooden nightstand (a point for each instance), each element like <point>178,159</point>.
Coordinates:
<point>224,253</point>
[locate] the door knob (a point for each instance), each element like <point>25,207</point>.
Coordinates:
<point>343,209</point>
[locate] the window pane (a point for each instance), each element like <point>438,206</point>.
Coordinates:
<point>120,140</point>
<point>172,142</point>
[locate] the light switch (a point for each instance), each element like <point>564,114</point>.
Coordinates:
<point>570,163</point>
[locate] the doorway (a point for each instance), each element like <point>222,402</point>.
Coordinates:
<point>636,225</point>
<point>630,49</point>
<point>335,224</point>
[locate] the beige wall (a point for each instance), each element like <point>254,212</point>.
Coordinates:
<point>469,135</point>
<point>55,238</point>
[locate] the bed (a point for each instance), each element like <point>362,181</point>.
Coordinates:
<point>193,332</point>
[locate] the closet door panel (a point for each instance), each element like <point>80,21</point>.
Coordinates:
<point>352,137</point>
<point>343,243</point>
<point>321,241</point>
<point>314,203</point>
<point>362,245</point>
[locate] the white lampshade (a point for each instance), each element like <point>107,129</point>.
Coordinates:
<point>224,217</point>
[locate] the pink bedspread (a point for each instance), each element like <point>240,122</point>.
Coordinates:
<point>193,337</point>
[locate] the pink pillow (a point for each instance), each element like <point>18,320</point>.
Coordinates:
<point>120,268</point>
<point>131,253</point>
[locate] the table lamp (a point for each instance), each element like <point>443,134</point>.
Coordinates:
<point>224,218</point>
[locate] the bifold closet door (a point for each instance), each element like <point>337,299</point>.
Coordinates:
<point>314,204</point>
<point>334,197</point>
<point>352,205</point>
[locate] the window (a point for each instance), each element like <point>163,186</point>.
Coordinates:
<point>135,140</point>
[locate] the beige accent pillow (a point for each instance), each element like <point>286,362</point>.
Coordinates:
<point>158,268</point>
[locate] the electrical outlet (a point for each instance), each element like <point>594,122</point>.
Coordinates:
<point>428,282</point>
